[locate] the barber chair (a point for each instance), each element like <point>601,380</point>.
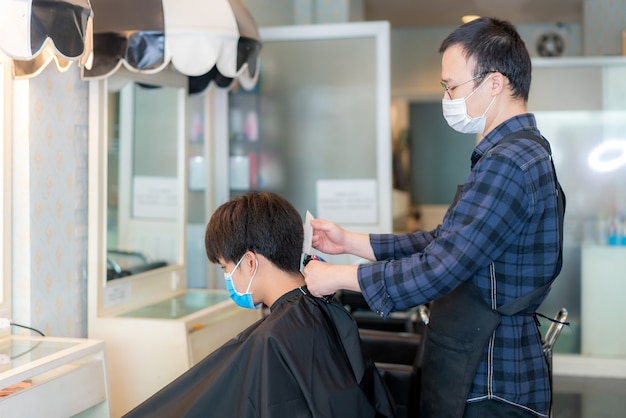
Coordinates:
<point>402,321</point>
<point>397,356</point>
<point>395,345</point>
<point>548,341</point>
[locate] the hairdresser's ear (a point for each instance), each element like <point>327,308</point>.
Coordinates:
<point>497,82</point>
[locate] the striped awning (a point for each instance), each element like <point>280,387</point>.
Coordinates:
<point>36,32</point>
<point>207,40</point>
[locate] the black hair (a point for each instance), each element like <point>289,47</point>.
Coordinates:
<point>262,222</point>
<point>495,45</point>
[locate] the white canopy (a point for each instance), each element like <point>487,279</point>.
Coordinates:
<point>207,40</point>
<point>36,32</point>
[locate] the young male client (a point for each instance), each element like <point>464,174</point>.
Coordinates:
<point>302,360</point>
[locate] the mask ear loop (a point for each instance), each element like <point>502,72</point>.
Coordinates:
<point>253,275</point>
<point>230,275</point>
<point>493,99</point>
<point>476,89</point>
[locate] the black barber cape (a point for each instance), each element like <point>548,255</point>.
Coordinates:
<point>303,360</point>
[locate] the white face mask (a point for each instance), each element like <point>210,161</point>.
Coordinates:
<point>455,113</point>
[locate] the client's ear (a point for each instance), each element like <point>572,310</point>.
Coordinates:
<point>250,262</point>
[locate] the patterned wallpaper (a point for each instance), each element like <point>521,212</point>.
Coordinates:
<point>49,289</point>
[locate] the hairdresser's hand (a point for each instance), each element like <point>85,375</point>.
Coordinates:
<point>324,279</point>
<point>330,238</point>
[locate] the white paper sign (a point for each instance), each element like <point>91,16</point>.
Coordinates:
<point>347,201</point>
<point>116,294</point>
<point>155,197</point>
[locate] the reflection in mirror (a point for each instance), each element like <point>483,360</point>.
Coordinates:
<point>144,177</point>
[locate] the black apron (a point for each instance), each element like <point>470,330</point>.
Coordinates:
<point>460,327</point>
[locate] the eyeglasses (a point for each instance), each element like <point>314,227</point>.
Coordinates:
<point>448,90</point>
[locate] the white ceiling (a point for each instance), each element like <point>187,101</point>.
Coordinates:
<point>449,12</point>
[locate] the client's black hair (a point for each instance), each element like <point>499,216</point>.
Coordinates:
<point>262,222</point>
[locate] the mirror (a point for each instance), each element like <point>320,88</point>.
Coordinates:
<point>145,192</point>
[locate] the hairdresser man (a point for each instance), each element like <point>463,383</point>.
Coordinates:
<point>490,263</point>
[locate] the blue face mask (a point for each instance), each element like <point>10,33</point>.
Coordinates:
<point>241,299</point>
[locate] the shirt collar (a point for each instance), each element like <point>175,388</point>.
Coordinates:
<point>524,121</point>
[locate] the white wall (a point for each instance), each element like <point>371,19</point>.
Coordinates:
<point>416,62</point>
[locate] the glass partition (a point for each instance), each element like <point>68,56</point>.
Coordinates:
<point>308,129</point>
<point>316,127</point>
<point>580,105</point>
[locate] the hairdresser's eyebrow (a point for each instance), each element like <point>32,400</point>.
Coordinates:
<point>447,81</point>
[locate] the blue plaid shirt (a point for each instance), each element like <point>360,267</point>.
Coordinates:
<point>503,235</point>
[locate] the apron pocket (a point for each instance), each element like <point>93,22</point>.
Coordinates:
<point>447,369</point>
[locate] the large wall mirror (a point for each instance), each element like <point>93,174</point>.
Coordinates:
<point>143,193</point>
<point>140,214</point>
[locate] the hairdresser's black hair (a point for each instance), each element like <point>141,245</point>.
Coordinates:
<point>495,45</point>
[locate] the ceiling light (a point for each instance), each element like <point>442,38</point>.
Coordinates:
<point>608,156</point>
<point>469,18</point>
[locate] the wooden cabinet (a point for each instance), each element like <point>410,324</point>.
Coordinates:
<point>52,377</point>
<point>150,343</point>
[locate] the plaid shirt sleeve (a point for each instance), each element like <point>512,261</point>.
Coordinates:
<point>493,208</point>
<point>503,216</point>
